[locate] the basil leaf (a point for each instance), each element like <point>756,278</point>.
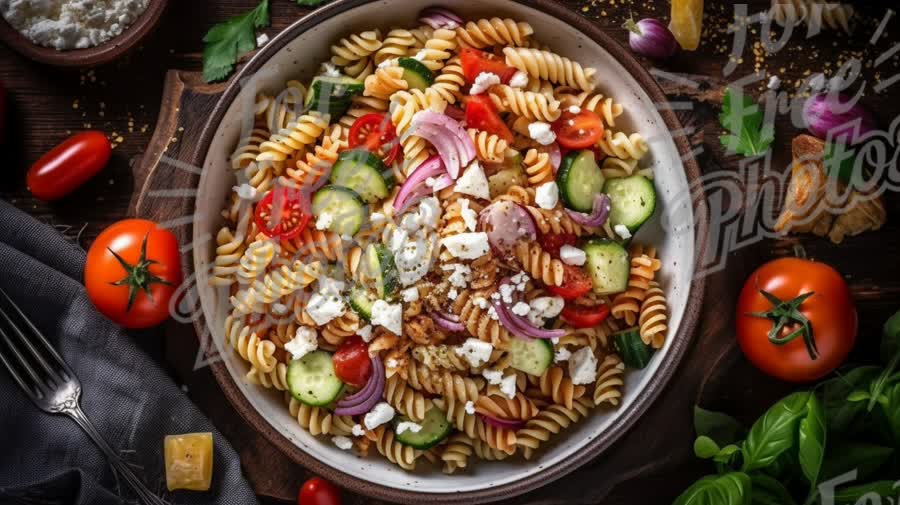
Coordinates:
<point>729,489</point>
<point>768,491</point>
<point>852,495</point>
<point>892,411</point>
<point>863,457</point>
<point>890,338</point>
<point>811,440</point>
<point>840,413</point>
<point>743,118</point>
<point>705,448</point>
<point>775,432</point>
<point>721,428</point>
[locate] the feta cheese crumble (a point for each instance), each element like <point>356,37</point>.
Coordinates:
<point>543,308</point>
<point>262,39</point>
<point>330,70</point>
<point>540,132</point>
<point>483,81</point>
<point>303,343</point>
<point>622,231</point>
<point>547,195</point>
<point>521,309</point>
<point>583,366</point>
<point>470,408</point>
<point>467,246</point>
<point>459,278</point>
<point>572,255</point>
<point>357,430</point>
<point>774,83</point>
<point>245,191</point>
<point>562,355</point>
<point>379,415</point>
<point>492,376</point>
<point>365,333</point>
<point>410,295</point>
<point>469,216</point>
<point>388,315</point>
<point>342,442</point>
<point>408,426</point>
<point>324,221</point>
<point>518,80</point>
<point>508,386</point>
<point>324,309</point>
<point>473,182</point>
<point>475,351</point>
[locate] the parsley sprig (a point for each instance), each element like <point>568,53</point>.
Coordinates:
<point>225,42</point>
<point>743,118</point>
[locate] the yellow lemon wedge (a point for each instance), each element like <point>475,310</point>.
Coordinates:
<point>687,22</point>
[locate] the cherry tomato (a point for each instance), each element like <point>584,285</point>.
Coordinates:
<point>578,131</point>
<point>68,165</point>
<point>553,242</point>
<point>133,268</point>
<point>352,363</point>
<point>318,491</point>
<point>774,305</point>
<point>290,220</point>
<point>575,283</point>
<point>474,62</point>
<point>376,133</point>
<point>481,115</point>
<point>585,317</point>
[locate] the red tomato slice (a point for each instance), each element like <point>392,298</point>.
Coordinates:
<point>553,242</point>
<point>575,283</point>
<point>290,215</point>
<point>578,131</point>
<point>352,364</point>
<point>376,133</point>
<point>474,62</point>
<point>318,491</point>
<point>481,115</point>
<point>585,317</point>
<point>68,165</point>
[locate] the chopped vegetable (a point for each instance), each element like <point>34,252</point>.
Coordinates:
<point>68,165</point>
<point>189,461</point>
<point>743,118</point>
<point>831,116</point>
<point>651,38</point>
<point>225,42</point>
<point>687,23</point>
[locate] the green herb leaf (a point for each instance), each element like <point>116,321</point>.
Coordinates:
<point>892,411</point>
<point>721,428</point>
<point>743,118</point>
<point>811,441</point>
<point>840,414</point>
<point>769,491</point>
<point>729,489</point>
<point>863,457</point>
<point>775,432</point>
<point>225,42</point>
<point>852,495</point>
<point>705,448</point>
<point>890,338</point>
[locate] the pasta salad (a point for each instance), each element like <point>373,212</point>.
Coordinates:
<point>429,247</point>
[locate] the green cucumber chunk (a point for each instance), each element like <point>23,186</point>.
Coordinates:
<point>531,356</point>
<point>579,180</point>
<point>364,173</point>
<point>416,75</point>
<point>332,95</point>
<point>345,209</point>
<point>607,264</point>
<point>633,351</point>
<point>361,302</point>
<point>435,428</point>
<point>632,201</point>
<point>381,269</point>
<point>312,381</point>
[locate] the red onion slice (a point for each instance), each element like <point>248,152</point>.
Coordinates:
<point>504,424</point>
<point>415,187</point>
<point>598,215</point>
<point>555,156</point>
<point>448,322</point>
<point>450,139</point>
<point>831,116</point>
<point>363,401</point>
<point>438,17</point>
<point>506,223</point>
<point>518,325</point>
<point>442,181</point>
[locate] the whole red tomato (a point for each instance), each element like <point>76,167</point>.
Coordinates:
<point>68,165</point>
<point>318,491</point>
<point>132,271</point>
<point>796,320</point>
<point>352,364</point>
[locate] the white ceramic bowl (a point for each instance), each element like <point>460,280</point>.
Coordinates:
<point>296,54</point>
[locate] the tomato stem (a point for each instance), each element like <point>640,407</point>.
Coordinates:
<point>137,277</point>
<point>785,315</point>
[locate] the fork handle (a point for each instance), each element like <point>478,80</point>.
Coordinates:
<point>115,460</point>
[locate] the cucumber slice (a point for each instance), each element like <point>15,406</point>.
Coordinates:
<point>435,428</point>
<point>364,173</point>
<point>500,182</point>
<point>416,75</point>
<point>632,201</point>
<point>633,351</point>
<point>361,302</point>
<point>381,269</point>
<point>531,356</point>
<point>579,180</point>
<point>311,379</point>
<point>332,94</point>
<point>607,264</point>
<point>346,209</point>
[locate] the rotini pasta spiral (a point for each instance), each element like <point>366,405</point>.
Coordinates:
<point>549,421</point>
<point>555,385</point>
<point>401,455</point>
<point>603,106</point>
<point>450,81</point>
<point>438,49</point>
<point>551,67</point>
<point>456,453</point>
<point>494,31</point>
<point>613,167</point>
<point>539,264</point>
<point>653,316</point>
<point>538,168</point>
<point>815,13</point>
<point>532,106</point>
<point>229,251</point>
<point>274,379</point>
<point>608,387</point>
<point>497,438</point>
<point>626,147</point>
<point>291,139</point>
<point>353,52</point>
<point>478,320</point>
<point>519,408</point>
<point>644,265</point>
<point>255,260</point>
<point>409,402</point>
<point>385,82</point>
<point>396,44</point>
<point>488,147</point>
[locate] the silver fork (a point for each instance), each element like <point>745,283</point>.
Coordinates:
<point>51,385</point>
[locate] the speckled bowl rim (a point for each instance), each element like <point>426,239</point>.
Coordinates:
<point>626,419</point>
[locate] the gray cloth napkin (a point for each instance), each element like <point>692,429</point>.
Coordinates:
<point>46,459</point>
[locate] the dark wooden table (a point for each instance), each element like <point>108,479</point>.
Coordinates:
<point>45,105</point>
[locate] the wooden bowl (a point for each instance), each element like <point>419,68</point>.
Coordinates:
<point>92,56</point>
<point>678,229</point>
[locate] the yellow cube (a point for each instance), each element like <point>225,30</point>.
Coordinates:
<point>189,461</point>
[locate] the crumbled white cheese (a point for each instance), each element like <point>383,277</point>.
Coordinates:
<point>473,182</point>
<point>303,343</point>
<point>390,62</point>
<point>71,24</point>
<point>379,415</point>
<point>622,231</point>
<point>583,366</point>
<point>324,221</point>
<point>555,340</point>
<point>492,313</point>
<point>410,295</point>
<point>483,81</point>
<point>481,302</point>
<point>467,246</point>
<point>279,309</point>
<point>543,308</point>
<point>377,217</point>
<point>391,363</point>
<point>452,293</point>
<point>470,408</point>
<point>541,133</point>
<point>475,351</point>
<point>365,333</point>
<point>410,222</point>
<point>506,292</point>
<point>572,255</point>
<point>521,309</point>
<point>421,55</point>
<point>329,286</point>
<point>562,355</point>
<point>518,80</point>
<point>388,315</point>
<point>262,39</point>
<point>508,386</point>
<point>408,426</point>
<point>547,195</point>
<point>469,216</point>
<point>574,109</point>
<point>342,442</point>
<point>429,212</point>
<point>460,274</point>
<point>357,430</point>
<point>413,257</point>
<point>330,70</point>
<point>323,309</point>
<point>520,279</point>
<point>245,191</point>
<point>774,82</point>
<point>493,376</point>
